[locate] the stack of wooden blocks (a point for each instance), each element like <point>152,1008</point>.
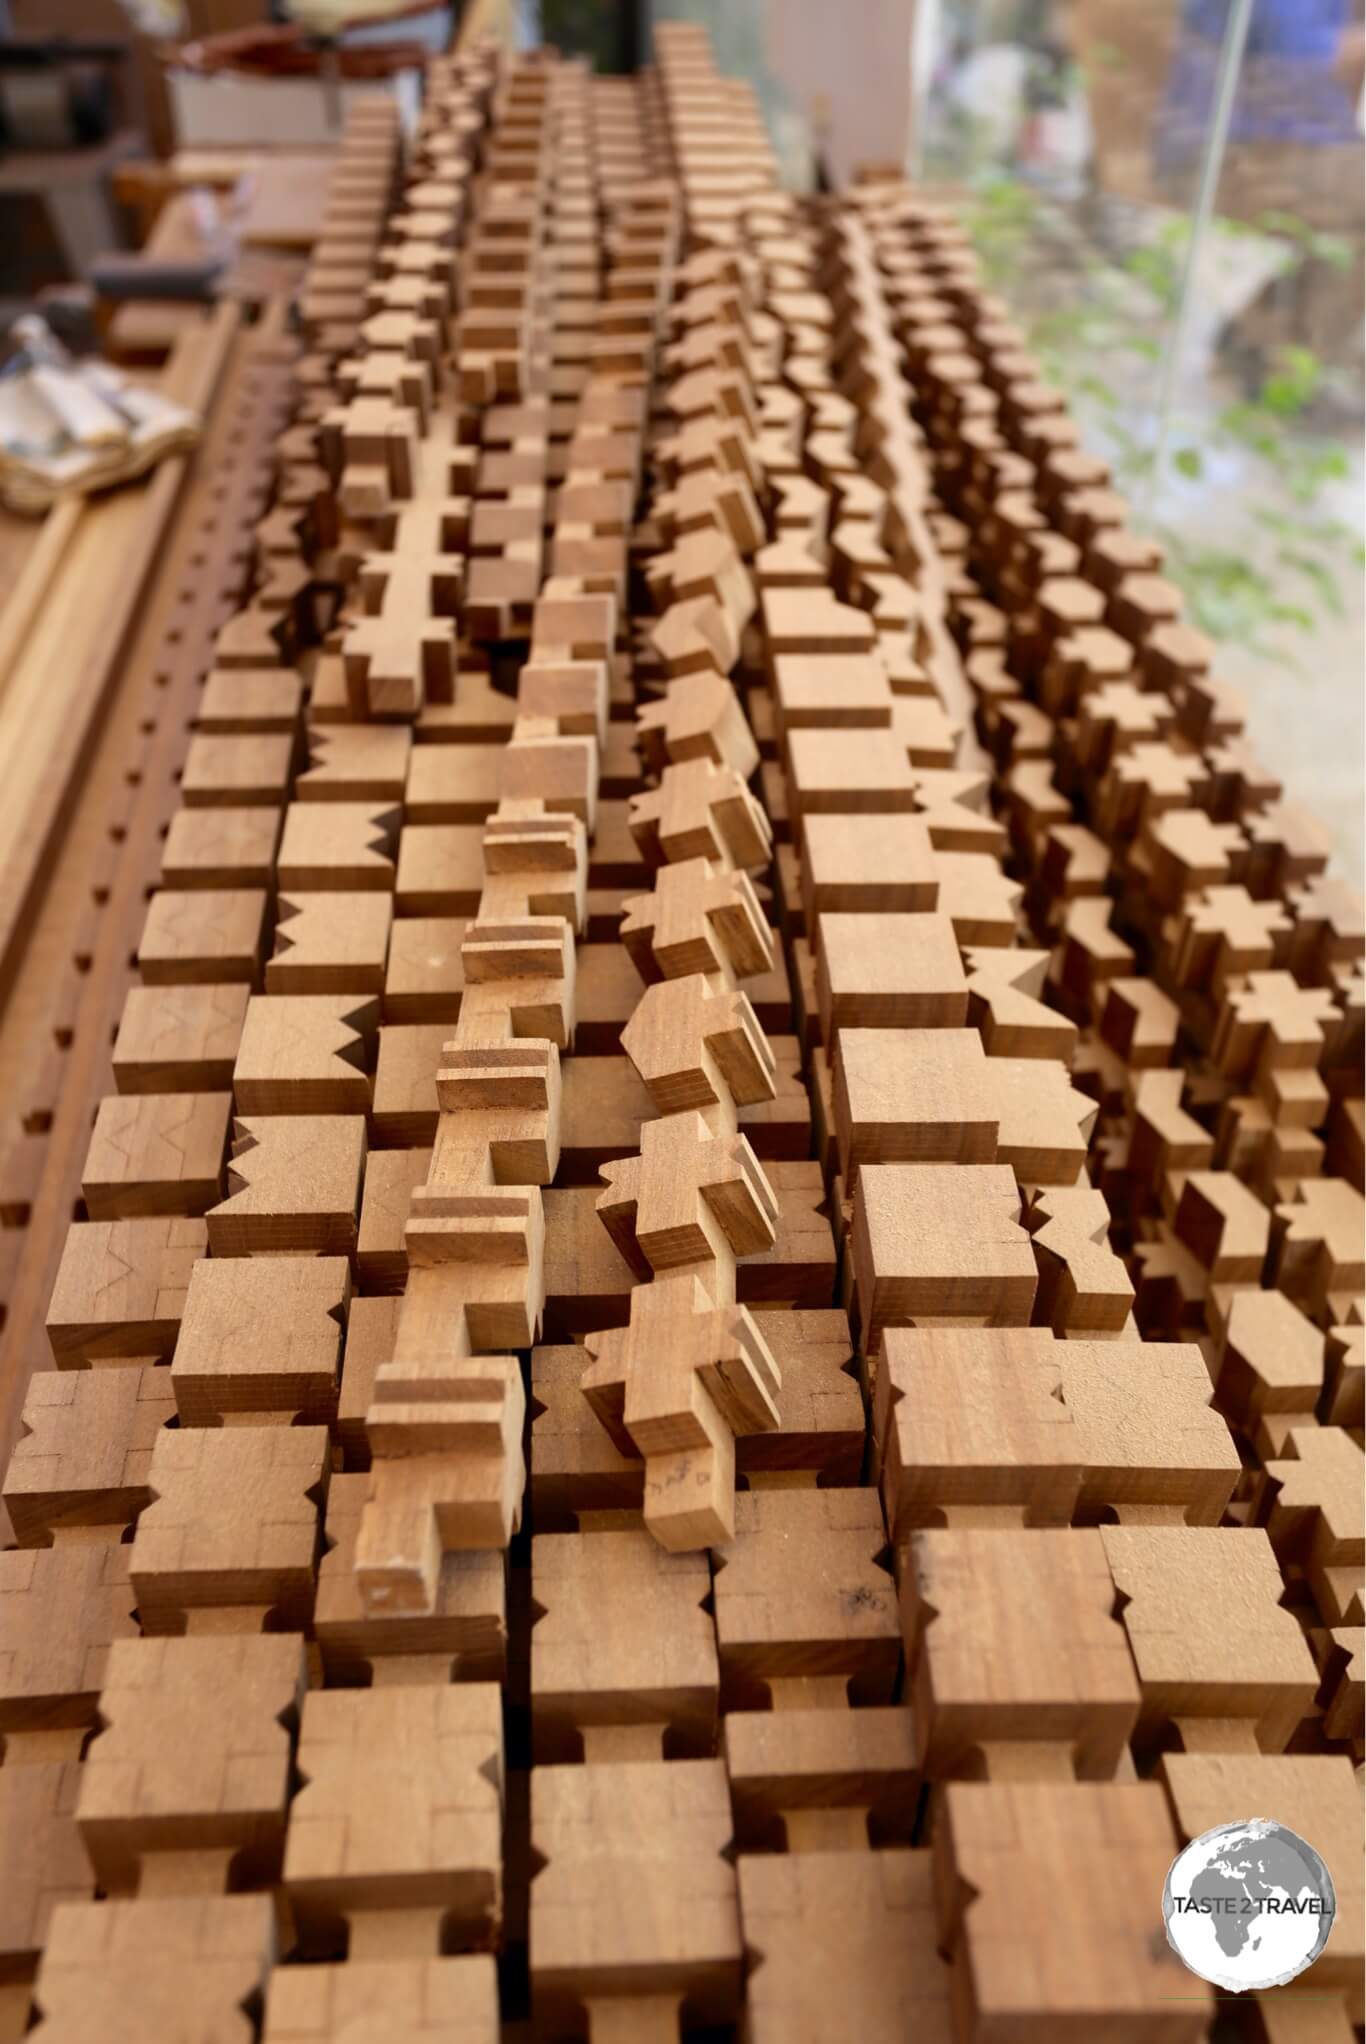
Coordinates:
<point>710,1382</point>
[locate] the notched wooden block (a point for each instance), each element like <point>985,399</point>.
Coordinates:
<point>634,1884</point>
<point>1209,1637</point>
<point>205,937</point>
<point>261,1334</point>
<point>220,848</point>
<point>59,1609</point>
<point>346,846</point>
<point>156,1153</point>
<point>194,1754</point>
<point>436,1754</point>
<point>803,1590</point>
<point>120,1288</point>
<point>1012,1637</point>
<point>405,1106</point>
<point>179,1039</point>
<point>888,971</point>
<point>440,870</point>
<point>233,1522</point>
<point>163,1966</point>
<point>391,1178</point>
<point>42,1855</point>
<point>933,1245</point>
<point>1054,1430</point>
<point>83,1456</point>
<point>462,1638</point>
<point>1018,1866</point>
<point>305,1054</point>
<point>409,1999</point>
<point>934,1096</point>
<point>845,1944</point>
<point>867,864</point>
<point>237,772</point>
<point>356,763</point>
<point>621,1637</point>
<point>330,944</point>
<point>294,1184</point>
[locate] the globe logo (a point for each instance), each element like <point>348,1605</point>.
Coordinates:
<point>1248,1905</point>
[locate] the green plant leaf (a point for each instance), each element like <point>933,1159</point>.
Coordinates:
<point>1288,225</point>
<point>1318,574</point>
<point>1334,249</point>
<point>1188,461</point>
<point>1293,382</point>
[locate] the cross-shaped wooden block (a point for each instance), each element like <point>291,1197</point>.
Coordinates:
<point>701,810</point>
<point>695,1046</point>
<point>689,1198</point>
<point>676,1386</point>
<point>700,918</point>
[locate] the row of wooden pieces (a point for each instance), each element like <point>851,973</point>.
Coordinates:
<point>350,939</point>
<point>27,1793</point>
<point>1035,520</point>
<point>786,1619</point>
<point>405,650</point>
<point>696,1044</point>
<point>445,1428</point>
<point>1228,932</point>
<point>698,1199</point>
<point>828,1936</point>
<point>1275,853</point>
<point>341,281</point>
<point>360,193</point>
<point>1124,598</point>
<point>446,1323</point>
<point>1091,627</point>
<point>501,1299</point>
<point>388,454</point>
<point>1212,1209</point>
<point>1039,514</point>
<point>691,1371</point>
<point>719,148</point>
<point>1037,573</point>
<point>228,1513</point>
